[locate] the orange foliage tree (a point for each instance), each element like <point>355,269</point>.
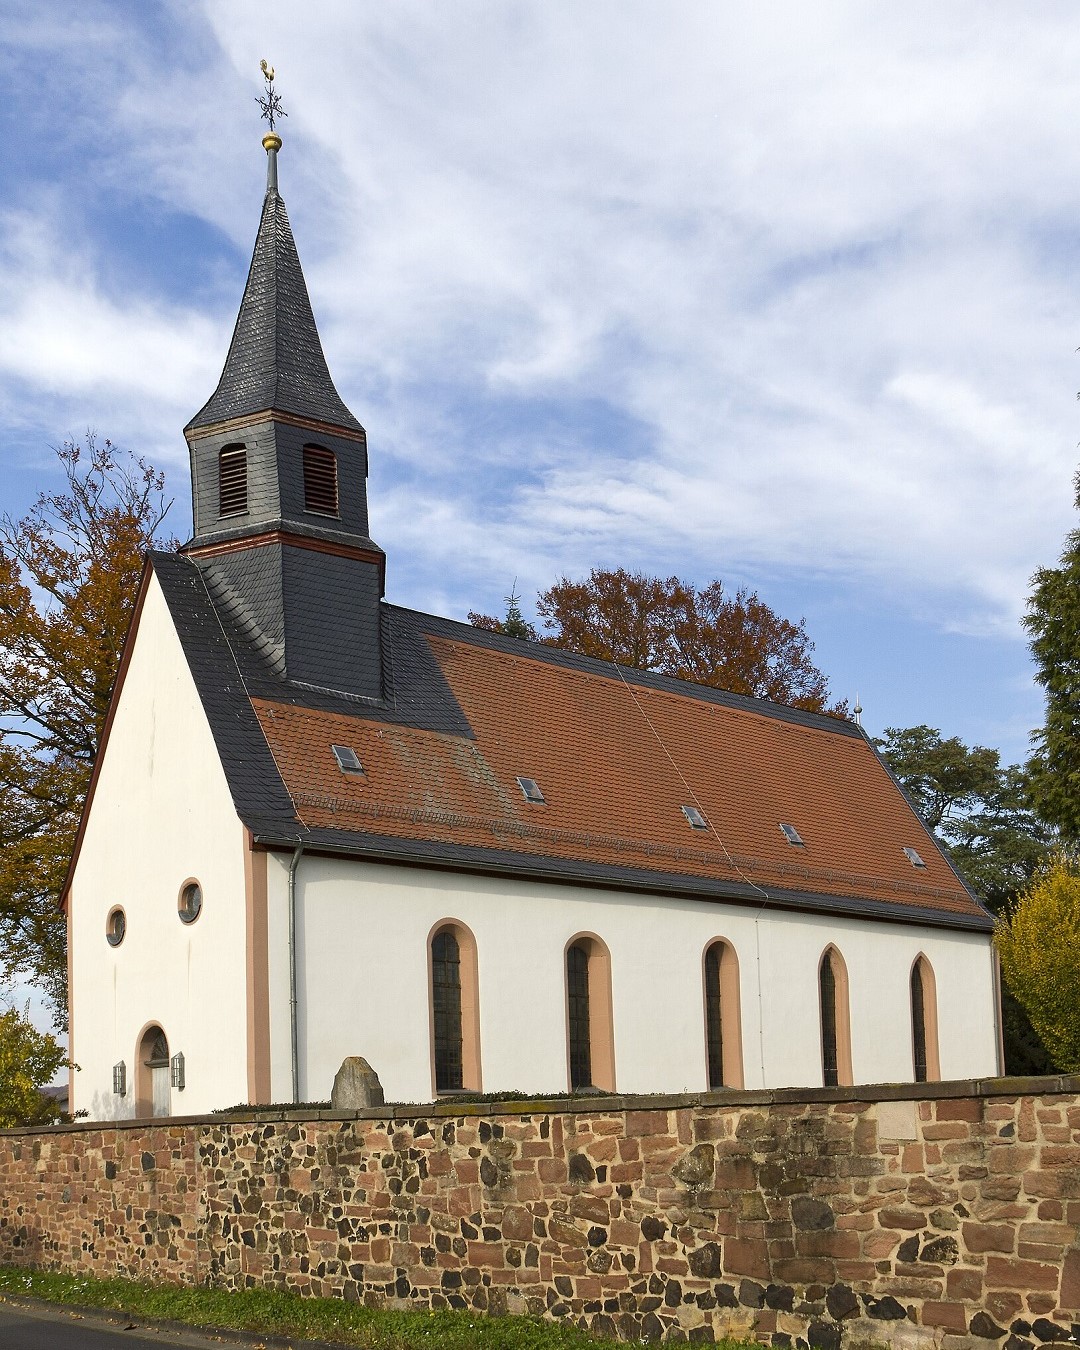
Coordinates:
<point>733,642</point>
<point>69,571</point>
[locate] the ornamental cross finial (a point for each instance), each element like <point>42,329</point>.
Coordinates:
<point>270,103</point>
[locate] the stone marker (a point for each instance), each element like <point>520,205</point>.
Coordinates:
<point>356,1085</point>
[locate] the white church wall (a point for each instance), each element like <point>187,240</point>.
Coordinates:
<point>161,814</point>
<point>363,982</point>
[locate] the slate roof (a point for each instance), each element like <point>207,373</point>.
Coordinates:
<point>616,754</point>
<point>275,359</point>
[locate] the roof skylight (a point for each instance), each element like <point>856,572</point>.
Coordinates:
<point>913,858</point>
<point>696,819</point>
<point>347,758</point>
<point>530,790</point>
<point>792,835</point>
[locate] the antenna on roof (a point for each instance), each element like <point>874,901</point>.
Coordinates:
<point>270,103</point>
<point>857,710</point>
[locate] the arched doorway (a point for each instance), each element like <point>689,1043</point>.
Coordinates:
<point>153,1091</point>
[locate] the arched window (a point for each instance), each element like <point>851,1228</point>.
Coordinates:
<point>577,1012</point>
<point>924,1040</point>
<point>232,481</point>
<point>455,1010</point>
<point>320,480</point>
<point>153,1090</point>
<point>590,1043</point>
<point>835,1027</point>
<point>723,1029</point>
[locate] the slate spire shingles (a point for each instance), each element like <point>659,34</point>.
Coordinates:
<point>275,360</point>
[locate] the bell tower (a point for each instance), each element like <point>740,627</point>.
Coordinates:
<point>279,479</point>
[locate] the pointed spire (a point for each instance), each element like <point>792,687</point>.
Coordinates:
<point>275,360</point>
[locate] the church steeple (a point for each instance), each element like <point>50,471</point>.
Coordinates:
<point>279,469</point>
<point>275,359</point>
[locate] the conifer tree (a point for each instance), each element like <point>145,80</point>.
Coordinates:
<point>1053,622</point>
<point>513,625</point>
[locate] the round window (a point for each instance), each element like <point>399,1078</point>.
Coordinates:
<point>115,927</point>
<point>190,906</point>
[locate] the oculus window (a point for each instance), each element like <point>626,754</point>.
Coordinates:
<point>189,906</point>
<point>115,926</point>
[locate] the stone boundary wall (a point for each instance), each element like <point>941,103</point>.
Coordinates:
<point>941,1214</point>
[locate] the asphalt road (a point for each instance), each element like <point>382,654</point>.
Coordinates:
<point>37,1327</point>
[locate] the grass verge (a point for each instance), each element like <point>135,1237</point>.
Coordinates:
<point>268,1312</point>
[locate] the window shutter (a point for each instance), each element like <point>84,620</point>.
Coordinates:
<point>320,480</point>
<point>232,481</point>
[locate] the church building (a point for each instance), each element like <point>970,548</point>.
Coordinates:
<point>324,825</point>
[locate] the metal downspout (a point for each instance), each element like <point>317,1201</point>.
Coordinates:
<point>292,973</point>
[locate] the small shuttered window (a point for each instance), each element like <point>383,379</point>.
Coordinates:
<point>232,481</point>
<point>320,480</point>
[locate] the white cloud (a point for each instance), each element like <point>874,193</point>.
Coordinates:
<point>808,270</point>
<point>131,367</point>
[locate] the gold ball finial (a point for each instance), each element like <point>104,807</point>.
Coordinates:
<point>271,141</point>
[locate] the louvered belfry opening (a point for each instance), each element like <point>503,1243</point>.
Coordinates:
<point>232,480</point>
<point>320,480</point>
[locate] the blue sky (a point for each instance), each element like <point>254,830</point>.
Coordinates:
<point>780,293</point>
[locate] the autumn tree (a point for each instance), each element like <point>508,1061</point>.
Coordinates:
<point>733,642</point>
<point>1053,623</point>
<point>28,1060</point>
<point>1039,944</point>
<point>69,571</point>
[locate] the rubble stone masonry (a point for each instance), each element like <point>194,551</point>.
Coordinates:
<point>941,1214</point>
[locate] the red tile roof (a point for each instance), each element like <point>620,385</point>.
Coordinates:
<point>616,761</point>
